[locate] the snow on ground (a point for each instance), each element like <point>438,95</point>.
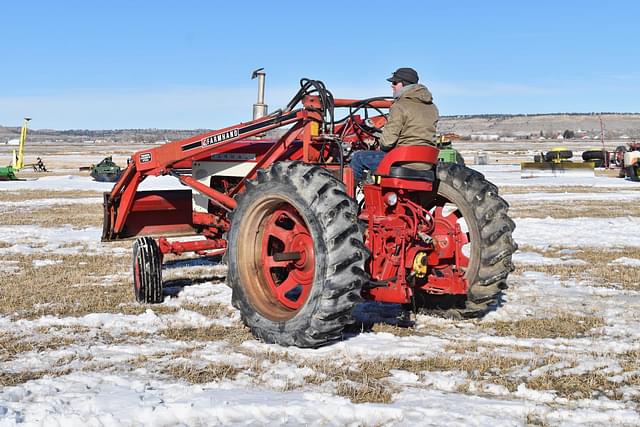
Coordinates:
<point>613,196</point>
<point>30,239</point>
<point>633,262</point>
<point>549,232</point>
<point>86,183</point>
<point>118,383</point>
<point>59,201</point>
<point>509,175</point>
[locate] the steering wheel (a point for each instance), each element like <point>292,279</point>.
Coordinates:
<point>373,125</point>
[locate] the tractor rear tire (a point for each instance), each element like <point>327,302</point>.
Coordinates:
<point>598,157</point>
<point>147,271</point>
<point>490,241</point>
<point>296,256</point>
<point>558,155</point>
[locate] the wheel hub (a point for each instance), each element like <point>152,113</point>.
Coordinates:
<point>286,256</point>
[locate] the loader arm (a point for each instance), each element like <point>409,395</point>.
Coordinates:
<point>168,158</point>
<point>170,211</point>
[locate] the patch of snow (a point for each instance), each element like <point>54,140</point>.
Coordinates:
<point>631,262</point>
<point>60,201</point>
<point>545,233</point>
<point>33,239</point>
<point>538,259</point>
<point>509,175</point>
<point>44,262</point>
<point>86,183</point>
<point>617,196</point>
<point>9,266</point>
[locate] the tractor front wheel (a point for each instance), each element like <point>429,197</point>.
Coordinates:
<point>147,271</point>
<point>296,256</point>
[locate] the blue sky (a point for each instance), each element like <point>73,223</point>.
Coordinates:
<point>187,64</point>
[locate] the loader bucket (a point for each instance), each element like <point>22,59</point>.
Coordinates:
<point>553,169</point>
<point>152,213</point>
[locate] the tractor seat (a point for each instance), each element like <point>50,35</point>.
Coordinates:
<point>409,173</point>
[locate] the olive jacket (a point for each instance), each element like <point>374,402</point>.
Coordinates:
<point>412,119</point>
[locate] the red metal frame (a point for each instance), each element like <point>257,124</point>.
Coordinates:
<point>398,235</point>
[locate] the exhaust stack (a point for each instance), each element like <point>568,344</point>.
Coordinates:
<point>259,108</point>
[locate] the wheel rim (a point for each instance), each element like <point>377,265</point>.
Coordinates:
<point>276,258</point>
<point>452,228</point>
<point>453,214</point>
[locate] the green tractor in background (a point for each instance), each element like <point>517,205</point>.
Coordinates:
<point>448,154</point>
<point>106,170</point>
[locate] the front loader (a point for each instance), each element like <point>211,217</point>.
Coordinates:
<point>304,243</point>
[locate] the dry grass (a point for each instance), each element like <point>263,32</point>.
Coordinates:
<point>74,287</point>
<point>202,374</point>
<point>365,392</point>
<point>394,330</point>
<point>212,310</point>
<point>461,347</point>
<point>233,335</point>
<point>365,382</point>
<point>35,195</point>
<point>8,379</point>
<point>564,325</point>
<point>79,216</point>
<point>11,345</point>
<point>569,209</point>
<point>583,386</point>
<point>597,270</point>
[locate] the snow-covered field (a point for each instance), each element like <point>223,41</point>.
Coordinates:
<point>76,351</point>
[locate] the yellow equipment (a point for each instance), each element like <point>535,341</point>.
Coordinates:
<point>7,173</point>
<point>17,162</point>
<point>555,163</point>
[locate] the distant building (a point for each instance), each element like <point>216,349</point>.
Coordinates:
<point>482,137</point>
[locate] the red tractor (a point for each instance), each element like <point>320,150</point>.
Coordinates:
<point>304,244</point>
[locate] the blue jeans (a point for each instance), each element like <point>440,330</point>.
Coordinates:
<point>362,160</point>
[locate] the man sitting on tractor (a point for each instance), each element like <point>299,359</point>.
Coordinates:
<point>412,121</point>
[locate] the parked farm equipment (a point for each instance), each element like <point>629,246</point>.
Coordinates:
<point>599,157</point>
<point>303,245</point>
<point>8,173</point>
<point>628,160</point>
<point>555,162</point>
<point>105,171</point>
<point>447,153</point>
